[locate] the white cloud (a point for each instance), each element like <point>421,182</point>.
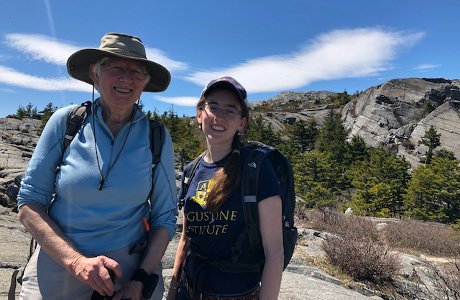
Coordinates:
<point>334,55</point>
<point>158,56</point>
<point>6,90</point>
<point>337,54</point>
<point>45,48</point>
<point>41,47</point>
<point>13,77</point>
<point>426,67</point>
<point>182,101</point>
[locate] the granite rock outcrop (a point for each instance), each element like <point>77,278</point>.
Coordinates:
<point>397,114</point>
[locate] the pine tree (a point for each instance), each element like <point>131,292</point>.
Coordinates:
<point>434,191</point>
<point>259,131</point>
<point>190,142</point>
<point>443,153</point>
<point>332,136</point>
<point>431,139</point>
<point>47,112</point>
<point>317,179</point>
<point>380,183</point>
<point>357,149</point>
<point>29,111</point>
<point>302,135</point>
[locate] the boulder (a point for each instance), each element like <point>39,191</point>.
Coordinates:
<point>18,139</point>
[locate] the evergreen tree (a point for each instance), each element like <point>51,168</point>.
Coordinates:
<point>380,183</point>
<point>190,140</point>
<point>254,130</point>
<point>29,111</point>
<point>332,136</point>
<point>431,139</point>
<point>154,115</point>
<point>427,108</point>
<point>340,99</point>
<point>302,135</point>
<point>357,149</point>
<point>258,131</point>
<point>443,153</point>
<point>47,112</point>
<point>434,191</point>
<point>317,179</point>
<point>172,121</point>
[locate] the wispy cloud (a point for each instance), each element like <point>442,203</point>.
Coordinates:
<point>158,56</point>
<point>6,90</point>
<point>426,67</point>
<point>333,55</point>
<point>13,77</point>
<point>182,101</point>
<point>41,47</point>
<point>45,48</point>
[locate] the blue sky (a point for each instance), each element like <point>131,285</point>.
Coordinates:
<point>269,46</point>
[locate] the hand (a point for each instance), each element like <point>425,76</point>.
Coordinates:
<point>131,290</point>
<point>172,291</point>
<point>172,294</point>
<point>94,272</point>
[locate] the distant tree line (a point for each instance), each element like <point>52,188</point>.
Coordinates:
<point>30,111</point>
<point>333,171</point>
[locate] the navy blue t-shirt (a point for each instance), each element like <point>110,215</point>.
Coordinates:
<point>216,235</point>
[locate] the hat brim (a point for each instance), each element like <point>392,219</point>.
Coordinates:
<point>79,62</point>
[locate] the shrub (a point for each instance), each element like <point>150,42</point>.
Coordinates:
<point>327,220</point>
<point>357,247</point>
<point>407,144</point>
<point>429,238</point>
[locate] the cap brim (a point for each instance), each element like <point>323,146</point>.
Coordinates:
<point>79,62</point>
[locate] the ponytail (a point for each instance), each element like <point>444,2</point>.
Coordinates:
<point>226,179</point>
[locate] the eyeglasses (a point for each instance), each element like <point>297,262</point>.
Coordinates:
<point>226,113</point>
<point>118,71</point>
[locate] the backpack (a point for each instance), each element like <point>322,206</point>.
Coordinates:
<point>75,120</point>
<point>250,262</point>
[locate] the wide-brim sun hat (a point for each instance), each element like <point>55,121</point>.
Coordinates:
<point>229,82</point>
<point>118,45</point>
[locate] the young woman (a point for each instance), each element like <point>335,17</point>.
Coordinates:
<point>213,211</point>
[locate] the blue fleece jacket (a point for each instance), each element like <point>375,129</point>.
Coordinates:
<point>97,221</point>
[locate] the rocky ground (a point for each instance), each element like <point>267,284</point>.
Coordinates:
<point>300,281</point>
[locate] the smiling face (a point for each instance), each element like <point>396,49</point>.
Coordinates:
<point>220,117</point>
<point>119,81</point>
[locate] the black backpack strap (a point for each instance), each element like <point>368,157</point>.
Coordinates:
<point>75,120</point>
<point>156,139</point>
<point>188,173</point>
<point>157,136</point>
<point>249,188</point>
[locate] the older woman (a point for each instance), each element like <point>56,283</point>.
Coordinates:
<point>103,191</point>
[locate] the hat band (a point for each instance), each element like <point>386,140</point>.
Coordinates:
<point>122,52</point>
